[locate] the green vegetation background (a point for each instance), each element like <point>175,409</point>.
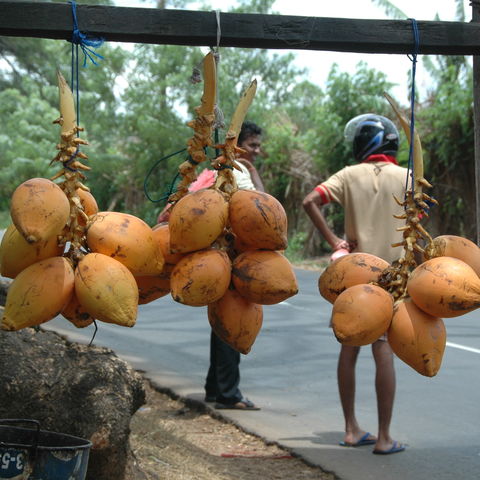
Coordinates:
<point>135,104</point>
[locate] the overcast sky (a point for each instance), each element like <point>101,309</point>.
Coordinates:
<point>319,62</point>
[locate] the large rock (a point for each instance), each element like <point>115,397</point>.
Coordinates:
<point>74,389</point>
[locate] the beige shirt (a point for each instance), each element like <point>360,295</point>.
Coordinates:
<point>366,191</point>
<point>243,178</point>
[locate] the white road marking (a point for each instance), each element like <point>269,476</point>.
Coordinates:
<point>463,347</point>
<point>293,306</point>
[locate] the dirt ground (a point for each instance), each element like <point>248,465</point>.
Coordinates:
<point>175,441</point>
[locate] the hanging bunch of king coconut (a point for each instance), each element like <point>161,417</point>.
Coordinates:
<point>63,255</point>
<point>223,244</point>
<point>407,300</point>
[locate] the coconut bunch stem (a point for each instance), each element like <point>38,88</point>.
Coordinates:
<point>416,205</point>
<point>72,167</point>
<point>226,163</point>
<point>202,127</point>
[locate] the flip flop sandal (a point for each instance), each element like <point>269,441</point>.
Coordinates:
<point>363,441</point>
<point>396,448</point>
<point>243,404</point>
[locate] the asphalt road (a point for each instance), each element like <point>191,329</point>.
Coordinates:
<point>290,373</point>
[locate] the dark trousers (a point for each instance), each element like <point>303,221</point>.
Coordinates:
<point>223,375</point>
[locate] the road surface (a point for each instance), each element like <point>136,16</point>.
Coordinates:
<point>291,374</point>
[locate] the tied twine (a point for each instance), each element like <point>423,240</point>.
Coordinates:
<point>413,58</point>
<point>172,187</point>
<point>219,116</point>
<point>87,43</point>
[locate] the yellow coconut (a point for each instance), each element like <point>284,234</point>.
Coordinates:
<point>76,313</point>
<point>264,277</point>
<point>38,293</point>
<point>258,220</point>
<point>107,289</point>
<point>458,247</point>
<point>16,253</point>
<point>39,209</point>
<point>236,320</point>
<point>127,239</point>
<point>151,287</point>
<point>161,234</point>
<point>347,271</point>
<point>361,314</point>
<point>201,277</point>
<point>417,338</point>
<point>197,220</point>
<point>88,202</point>
<point>444,287</point>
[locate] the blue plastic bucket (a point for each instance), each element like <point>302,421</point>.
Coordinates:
<point>34,454</point>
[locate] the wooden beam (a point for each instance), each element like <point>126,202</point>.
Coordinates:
<point>199,28</point>
<point>476,118</point>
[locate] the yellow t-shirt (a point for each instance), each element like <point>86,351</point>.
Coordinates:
<point>366,191</point>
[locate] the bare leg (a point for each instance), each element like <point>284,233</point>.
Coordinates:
<point>346,387</point>
<point>385,388</point>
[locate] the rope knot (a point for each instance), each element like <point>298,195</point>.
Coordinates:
<point>86,42</point>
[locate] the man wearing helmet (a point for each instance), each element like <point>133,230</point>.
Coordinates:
<point>365,191</point>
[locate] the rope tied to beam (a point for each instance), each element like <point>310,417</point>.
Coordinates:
<point>87,44</point>
<point>219,116</point>
<point>413,58</point>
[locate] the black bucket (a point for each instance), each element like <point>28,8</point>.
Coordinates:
<point>34,454</point>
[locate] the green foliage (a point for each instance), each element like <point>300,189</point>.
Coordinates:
<point>295,249</point>
<point>447,130</point>
<point>5,219</point>
<point>135,105</point>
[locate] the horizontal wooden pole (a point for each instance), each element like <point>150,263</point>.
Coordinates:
<point>199,28</point>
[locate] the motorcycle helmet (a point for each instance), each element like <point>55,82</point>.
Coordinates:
<point>370,133</point>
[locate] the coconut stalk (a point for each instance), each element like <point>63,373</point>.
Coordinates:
<point>394,278</point>
<point>202,126</point>
<point>72,168</point>
<point>226,162</point>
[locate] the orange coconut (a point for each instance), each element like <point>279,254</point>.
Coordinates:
<point>39,209</point>
<point>444,287</point>
<point>264,277</point>
<point>76,313</point>
<point>417,338</point>
<point>458,247</point>
<point>258,220</point>
<point>88,202</point>
<point>349,270</point>
<point>38,293</point>
<point>201,277</point>
<point>107,289</point>
<point>127,239</point>
<point>16,253</point>
<point>151,287</point>
<point>197,220</point>
<point>361,314</point>
<point>236,320</point>
<point>161,234</point>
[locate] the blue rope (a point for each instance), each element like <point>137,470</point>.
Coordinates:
<point>413,58</point>
<point>85,41</point>
<point>81,40</point>
<point>172,184</point>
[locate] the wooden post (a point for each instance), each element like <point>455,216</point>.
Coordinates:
<point>476,118</point>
